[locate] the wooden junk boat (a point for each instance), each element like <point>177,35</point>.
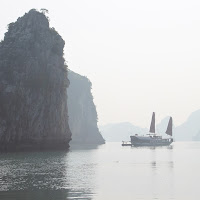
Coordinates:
<point>152,139</point>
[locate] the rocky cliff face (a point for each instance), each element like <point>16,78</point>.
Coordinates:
<point>33,82</point>
<point>82,111</point>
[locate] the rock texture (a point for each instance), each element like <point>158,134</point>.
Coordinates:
<point>82,111</point>
<point>33,82</point>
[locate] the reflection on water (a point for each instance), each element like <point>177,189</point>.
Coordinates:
<point>32,170</point>
<point>35,194</point>
<point>40,194</point>
<point>45,175</point>
<point>106,172</point>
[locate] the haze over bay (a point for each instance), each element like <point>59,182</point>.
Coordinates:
<point>99,100</point>
<point>140,56</point>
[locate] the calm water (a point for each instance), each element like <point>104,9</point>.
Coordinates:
<point>106,172</point>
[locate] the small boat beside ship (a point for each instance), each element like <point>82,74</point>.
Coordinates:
<point>126,143</point>
<point>152,139</point>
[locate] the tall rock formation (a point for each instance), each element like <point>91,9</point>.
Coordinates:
<point>33,83</point>
<point>82,111</point>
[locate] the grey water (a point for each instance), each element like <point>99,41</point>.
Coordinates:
<point>103,172</point>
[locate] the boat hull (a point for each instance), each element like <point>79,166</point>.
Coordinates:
<point>127,144</point>
<point>149,141</point>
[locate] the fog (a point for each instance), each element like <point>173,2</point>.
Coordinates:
<point>141,56</point>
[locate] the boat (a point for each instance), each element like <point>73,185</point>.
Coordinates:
<point>126,143</point>
<point>152,139</point>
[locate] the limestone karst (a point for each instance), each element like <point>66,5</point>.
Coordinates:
<point>82,111</point>
<point>33,83</point>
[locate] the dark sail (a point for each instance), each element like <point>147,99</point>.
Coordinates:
<point>152,127</point>
<point>169,127</point>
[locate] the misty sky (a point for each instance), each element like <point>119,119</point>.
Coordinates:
<point>141,56</point>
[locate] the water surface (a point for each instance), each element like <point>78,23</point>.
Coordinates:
<point>103,172</point>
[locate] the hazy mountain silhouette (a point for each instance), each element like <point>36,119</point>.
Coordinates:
<point>189,130</point>
<point>117,132</point>
<point>197,137</point>
<point>121,131</point>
